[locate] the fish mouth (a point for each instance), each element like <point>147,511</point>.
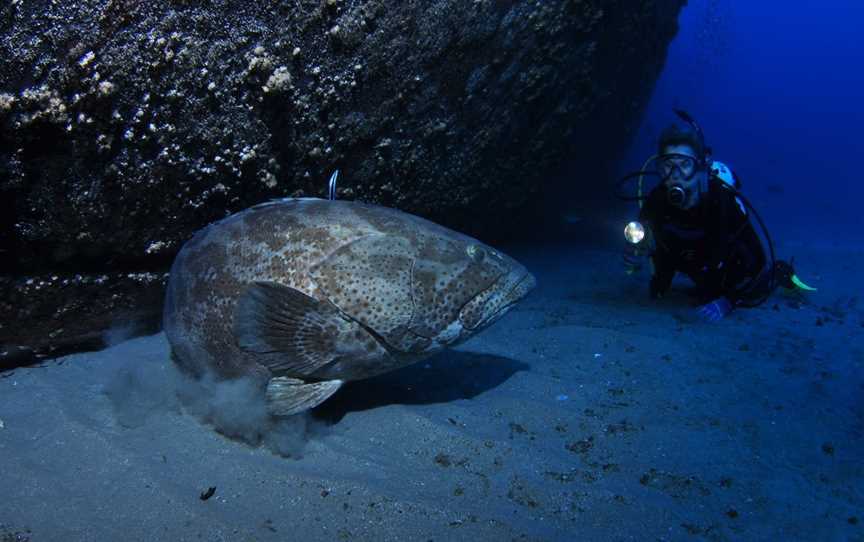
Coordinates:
<point>517,290</point>
<point>516,286</point>
<point>520,288</point>
<point>523,286</point>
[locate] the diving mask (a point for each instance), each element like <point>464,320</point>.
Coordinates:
<point>668,163</point>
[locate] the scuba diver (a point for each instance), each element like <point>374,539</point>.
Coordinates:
<point>695,221</point>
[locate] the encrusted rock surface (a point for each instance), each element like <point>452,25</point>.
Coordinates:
<point>125,125</point>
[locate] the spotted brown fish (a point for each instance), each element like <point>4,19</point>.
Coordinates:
<point>304,294</point>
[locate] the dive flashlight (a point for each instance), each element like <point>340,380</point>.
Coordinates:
<point>634,232</point>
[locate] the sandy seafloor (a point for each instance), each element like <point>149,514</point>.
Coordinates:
<point>588,413</point>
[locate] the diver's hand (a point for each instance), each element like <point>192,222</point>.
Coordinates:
<point>633,258</point>
<point>715,310</point>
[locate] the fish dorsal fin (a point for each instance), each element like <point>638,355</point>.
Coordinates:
<point>294,333</point>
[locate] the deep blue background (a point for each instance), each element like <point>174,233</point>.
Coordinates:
<point>778,88</point>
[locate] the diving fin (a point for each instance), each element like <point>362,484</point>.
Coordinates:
<point>287,396</point>
<point>787,278</point>
<point>797,282</point>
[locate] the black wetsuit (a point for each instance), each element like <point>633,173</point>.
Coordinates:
<point>714,244</point>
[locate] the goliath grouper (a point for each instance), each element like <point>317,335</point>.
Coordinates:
<point>302,295</point>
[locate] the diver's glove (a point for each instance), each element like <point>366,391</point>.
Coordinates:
<point>633,258</point>
<point>715,310</point>
<point>635,253</point>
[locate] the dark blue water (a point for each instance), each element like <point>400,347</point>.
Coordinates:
<point>778,88</point>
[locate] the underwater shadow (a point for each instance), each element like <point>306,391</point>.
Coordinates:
<point>678,297</point>
<point>446,377</point>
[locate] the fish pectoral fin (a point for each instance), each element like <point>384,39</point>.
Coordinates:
<point>288,396</point>
<point>294,333</point>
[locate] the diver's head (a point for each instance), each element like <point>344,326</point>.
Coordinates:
<point>682,164</point>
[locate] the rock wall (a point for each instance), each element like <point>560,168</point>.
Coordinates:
<point>125,125</point>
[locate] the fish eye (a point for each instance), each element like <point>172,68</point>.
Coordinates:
<point>476,253</point>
